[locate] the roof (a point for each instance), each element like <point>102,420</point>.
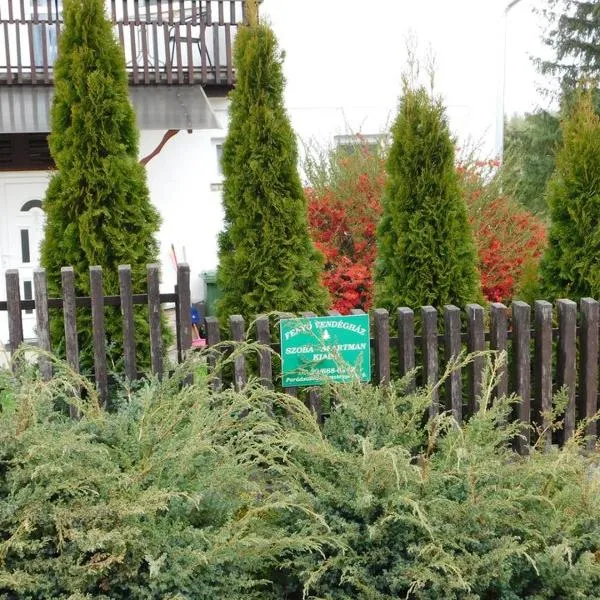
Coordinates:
<point>26,109</point>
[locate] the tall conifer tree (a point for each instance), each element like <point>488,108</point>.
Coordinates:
<point>98,209</point>
<point>570,267</point>
<point>426,253</point>
<point>267,260</point>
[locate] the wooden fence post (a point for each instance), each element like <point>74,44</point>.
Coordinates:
<point>236,324</point>
<point>430,355</point>
<point>498,343</point>
<point>567,350</point>
<point>406,343</point>
<point>265,361</point>
<point>452,351</point>
<point>98,333</point>
<point>213,338</point>
<point>126,292</point>
<point>382,345</point>
<point>42,320</point>
<point>522,376</point>
<point>475,343</point>
<point>588,386</point>
<point>184,301</point>
<point>153,275</point>
<point>70,317</point>
<point>543,368</point>
<point>13,304</point>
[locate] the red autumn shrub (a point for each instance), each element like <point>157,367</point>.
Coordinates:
<point>509,238</point>
<point>344,206</point>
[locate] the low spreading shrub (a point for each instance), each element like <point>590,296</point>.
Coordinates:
<point>185,493</point>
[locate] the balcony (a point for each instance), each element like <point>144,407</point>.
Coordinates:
<point>166,42</point>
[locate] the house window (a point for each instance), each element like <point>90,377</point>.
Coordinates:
<point>351,144</point>
<point>219,151</point>
<point>25,250</point>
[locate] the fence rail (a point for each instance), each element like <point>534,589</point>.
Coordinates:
<point>548,347</point>
<point>164,41</point>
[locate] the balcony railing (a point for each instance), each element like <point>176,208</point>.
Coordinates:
<point>165,41</point>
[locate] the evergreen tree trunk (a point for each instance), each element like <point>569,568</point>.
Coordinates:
<point>267,260</point>
<point>426,253</point>
<point>98,209</point>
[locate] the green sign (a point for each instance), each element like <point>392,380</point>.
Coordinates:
<point>318,350</point>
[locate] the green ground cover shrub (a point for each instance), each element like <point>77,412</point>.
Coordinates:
<point>180,493</point>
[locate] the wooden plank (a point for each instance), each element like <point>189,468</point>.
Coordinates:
<point>42,321</point>
<point>567,352</point>
<point>382,345</point>
<point>70,318</point>
<point>156,58</point>
<point>145,54</point>
<point>406,342</point>
<point>430,355</point>
<point>475,343</point>
<point>452,345</point>
<point>238,334</point>
<point>31,52</point>
<point>216,55</point>
<point>134,65</point>
<point>203,50</point>
<point>213,338</point>
<point>588,380</point>
<point>184,321</point>
<point>99,334</point>
<point>265,360</point>
<point>168,65</point>
<point>499,343</point>
<point>543,368</point>
<point>45,65</point>
<point>221,12</point>
<point>522,364</point>
<point>126,290</point>
<point>13,302</point>
<point>229,54</point>
<point>190,52</point>
<point>178,53</point>
<point>9,77</point>
<point>154,314</point>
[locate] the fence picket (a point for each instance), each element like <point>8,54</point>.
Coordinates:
<point>543,368</point>
<point>213,338</point>
<point>153,276</point>
<point>125,288</point>
<point>522,376</point>
<point>98,331</point>
<point>382,346</point>
<point>184,302</point>
<point>475,343</point>
<point>430,354</point>
<point>265,361</point>
<point>236,325</point>
<point>406,342</point>
<point>567,350</point>
<point>13,305</point>
<point>588,386</point>
<point>499,343</point>
<point>42,321</point>
<point>70,317</point>
<point>452,345</point>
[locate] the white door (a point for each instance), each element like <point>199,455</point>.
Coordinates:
<point>20,238</point>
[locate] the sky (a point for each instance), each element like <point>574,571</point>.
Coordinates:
<point>345,58</point>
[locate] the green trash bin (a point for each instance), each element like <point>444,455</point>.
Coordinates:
<point>213,293</point>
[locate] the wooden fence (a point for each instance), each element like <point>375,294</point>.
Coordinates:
<point>543,357</point>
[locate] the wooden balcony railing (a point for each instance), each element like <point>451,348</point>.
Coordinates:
<point>168,42</point>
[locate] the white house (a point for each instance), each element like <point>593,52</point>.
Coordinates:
<point>179,63</point>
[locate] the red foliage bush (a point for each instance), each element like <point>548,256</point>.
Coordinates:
<point>344,206</point>
<point>508,237</point>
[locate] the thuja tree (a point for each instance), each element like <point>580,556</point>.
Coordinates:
<point>98,210</point>
<point>426,253</point>
<point>570,266</point>
<point>267,260</point>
